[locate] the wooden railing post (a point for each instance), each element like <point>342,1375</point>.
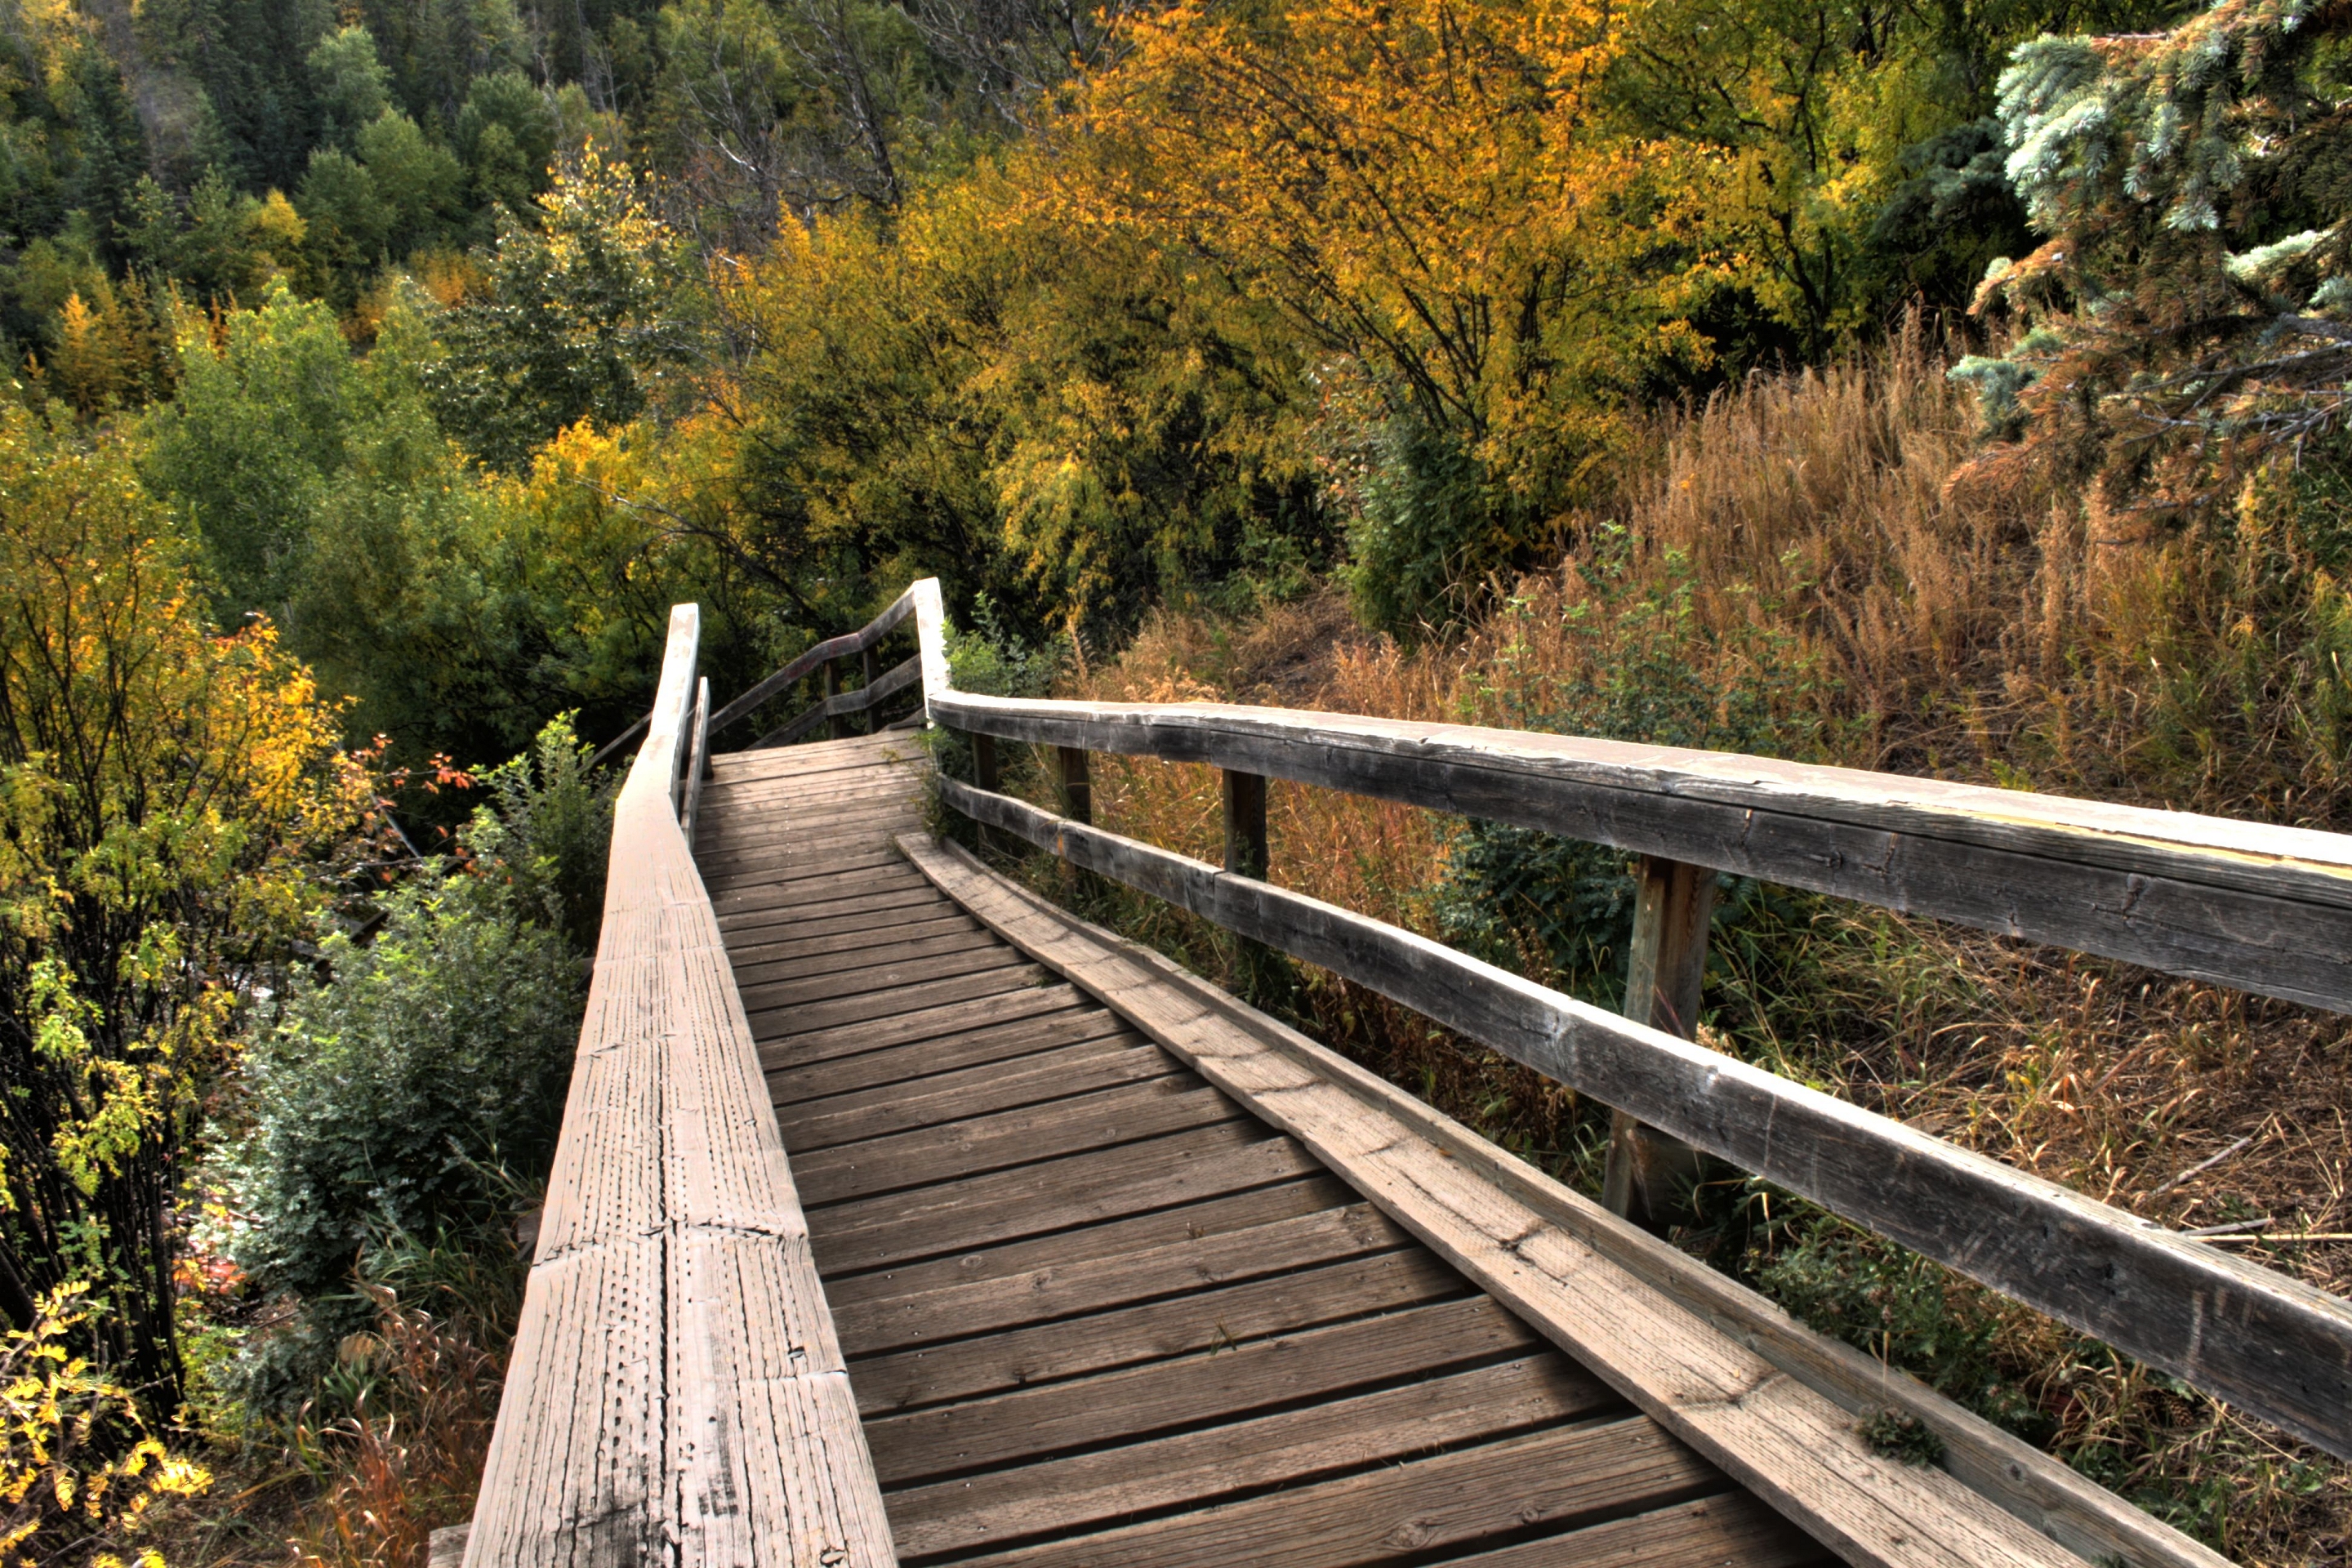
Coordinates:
<point>984,774</point>
<point>1649,1173</point>
<point>836,726</point>
<point>1078,793</point>
<point>869,663</point>
<point>1262,977</point>
<point>1246,853</point>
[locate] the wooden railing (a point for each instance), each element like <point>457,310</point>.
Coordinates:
<point>676,1393</point>
<point>2265,910</point>
<point>835,708</point>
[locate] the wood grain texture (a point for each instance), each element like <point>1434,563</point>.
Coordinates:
<point>1289,1448</point>
<point>1287,1369</point>
<point>1558,1477</point>
<point>2262,909</point>
<point>1693,1359</point>
<point>2266,1343</point>
<point>676,1390</point>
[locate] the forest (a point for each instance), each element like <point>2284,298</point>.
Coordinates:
<point>1955,388</point>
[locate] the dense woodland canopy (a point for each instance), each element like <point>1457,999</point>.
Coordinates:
<point>462,336</point>
<point>1957,387</point>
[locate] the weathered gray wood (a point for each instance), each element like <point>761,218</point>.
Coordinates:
<point>879,1110</point>
<point>1223,1316</point>
<point>2264,909</point>
<point>1138,1401</point>
<point>1286,1448</point>
<point>1771,1402</point>
<point>1004,1140</point>
<point>869,669</point>
<point>1082,1189</point>
<point>818,981</point>
<point>1188,1222</point>
<point>1712,1533</point>
<point>1071,779</point>
<point>2269,1344</point>
<point>698,760</point>
<point>1649,1172</point>
<point>779,1020</point>
<point>953,1018</point>
<point>908,1064</point>
<point>1070,1287</point>
<point>1562,1477</point>
<point>676,1389</point>
<point>882,966</point>
<point>835,706</point>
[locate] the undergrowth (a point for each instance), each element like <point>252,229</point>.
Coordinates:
<point>1786,570</point>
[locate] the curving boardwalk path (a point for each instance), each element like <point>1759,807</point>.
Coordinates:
<point>1096,1312</point>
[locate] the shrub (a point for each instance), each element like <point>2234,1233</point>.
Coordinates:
<point>546,831</point>
<point>386,1092</point>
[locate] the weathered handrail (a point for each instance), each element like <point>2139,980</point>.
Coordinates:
<point>2265,910</point>
<point>676,1392</point>
<point>822,657</point>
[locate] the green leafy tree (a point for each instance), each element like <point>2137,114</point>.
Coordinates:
<point>263,422</point>
<point>581,318</point>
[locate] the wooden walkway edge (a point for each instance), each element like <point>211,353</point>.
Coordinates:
<point>676,1393</point>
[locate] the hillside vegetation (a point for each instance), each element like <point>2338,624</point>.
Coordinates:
<point>1953,389</point>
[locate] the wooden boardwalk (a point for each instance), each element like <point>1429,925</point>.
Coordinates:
<point>1094,1312</point>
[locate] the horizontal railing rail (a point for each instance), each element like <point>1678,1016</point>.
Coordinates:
<point>2260,909</point>
<point>825,658</point>
<point>676,1392</point>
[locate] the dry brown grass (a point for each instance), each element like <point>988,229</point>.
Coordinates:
<point>412,1404</point>
<point>2001,638</point>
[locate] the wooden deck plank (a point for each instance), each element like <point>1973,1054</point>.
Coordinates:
<point>1072,1286</point>
<point>952,1097</point>
<point>1303,1445</point>
<point>1225,1317</point>
<point>1031,1136</point>
<point>909,1064</point>
<point>789,1016</point>
<point>816,944</point>
<point>1284,1370</point>
<point>1083,1189</point>
<point>892,970</point>
<point>1559,1478</point>
<point>849,1039</point>
<point>1210,1217</point>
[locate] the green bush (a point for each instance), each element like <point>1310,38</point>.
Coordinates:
<point>386,1095</point>
<point>546,831</point>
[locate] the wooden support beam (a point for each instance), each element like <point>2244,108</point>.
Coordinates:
<point>1650,1174</point>
<point>983,768</point>
<point>1261,975</point>
<point>871,667</point>
<point>836,723</point>
<point>697,760</point>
